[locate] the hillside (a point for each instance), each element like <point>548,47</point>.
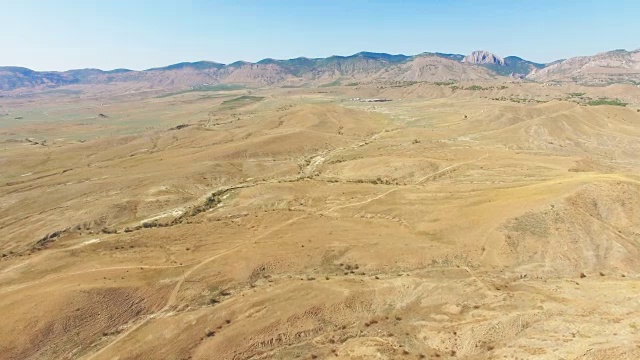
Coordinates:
<point>13,77</point>
<point>295,223</point>
<point>617,66</point>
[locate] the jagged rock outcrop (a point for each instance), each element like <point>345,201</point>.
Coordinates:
<point>483,57</point>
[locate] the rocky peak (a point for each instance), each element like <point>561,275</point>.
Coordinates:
<point>483,57</point>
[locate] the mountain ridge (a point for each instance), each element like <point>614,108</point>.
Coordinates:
<point>606,67</point>
<point>615,66</point>
<point>357,67</point>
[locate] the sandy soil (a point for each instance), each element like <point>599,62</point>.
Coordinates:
<point>299,224</point>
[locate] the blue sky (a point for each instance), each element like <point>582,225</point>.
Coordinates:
<point>66,34</point>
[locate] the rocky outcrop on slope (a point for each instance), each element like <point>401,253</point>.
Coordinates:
<point>483,57</point>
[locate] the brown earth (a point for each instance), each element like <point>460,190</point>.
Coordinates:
<point>299,224</point>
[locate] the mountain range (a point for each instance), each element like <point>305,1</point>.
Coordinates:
<point>618,66</point>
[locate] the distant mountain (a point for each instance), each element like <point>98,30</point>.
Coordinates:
<point>13,77</point>
<point>482,57</point>
<point>508,66</point>
<point>456,57</point>
<point>363,66</point>
<point>614,66</point>
<point>343,65</point>
<point>199,65</point>
<point>514,65</point>
<point>617,66</point>
<point>382,56</point>
<point>436,68</point>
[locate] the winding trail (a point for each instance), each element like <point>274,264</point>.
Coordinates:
<point>449,167</point>
<point>400,187</point>
<point>173,297</point>
<point>172,300</point>
<point>128,267</point>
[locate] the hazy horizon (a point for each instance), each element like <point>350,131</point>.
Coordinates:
<point>143,35</point>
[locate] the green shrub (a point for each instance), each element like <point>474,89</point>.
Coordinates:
<point>604,101</point>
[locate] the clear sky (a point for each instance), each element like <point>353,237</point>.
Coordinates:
<point>137,34</point>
